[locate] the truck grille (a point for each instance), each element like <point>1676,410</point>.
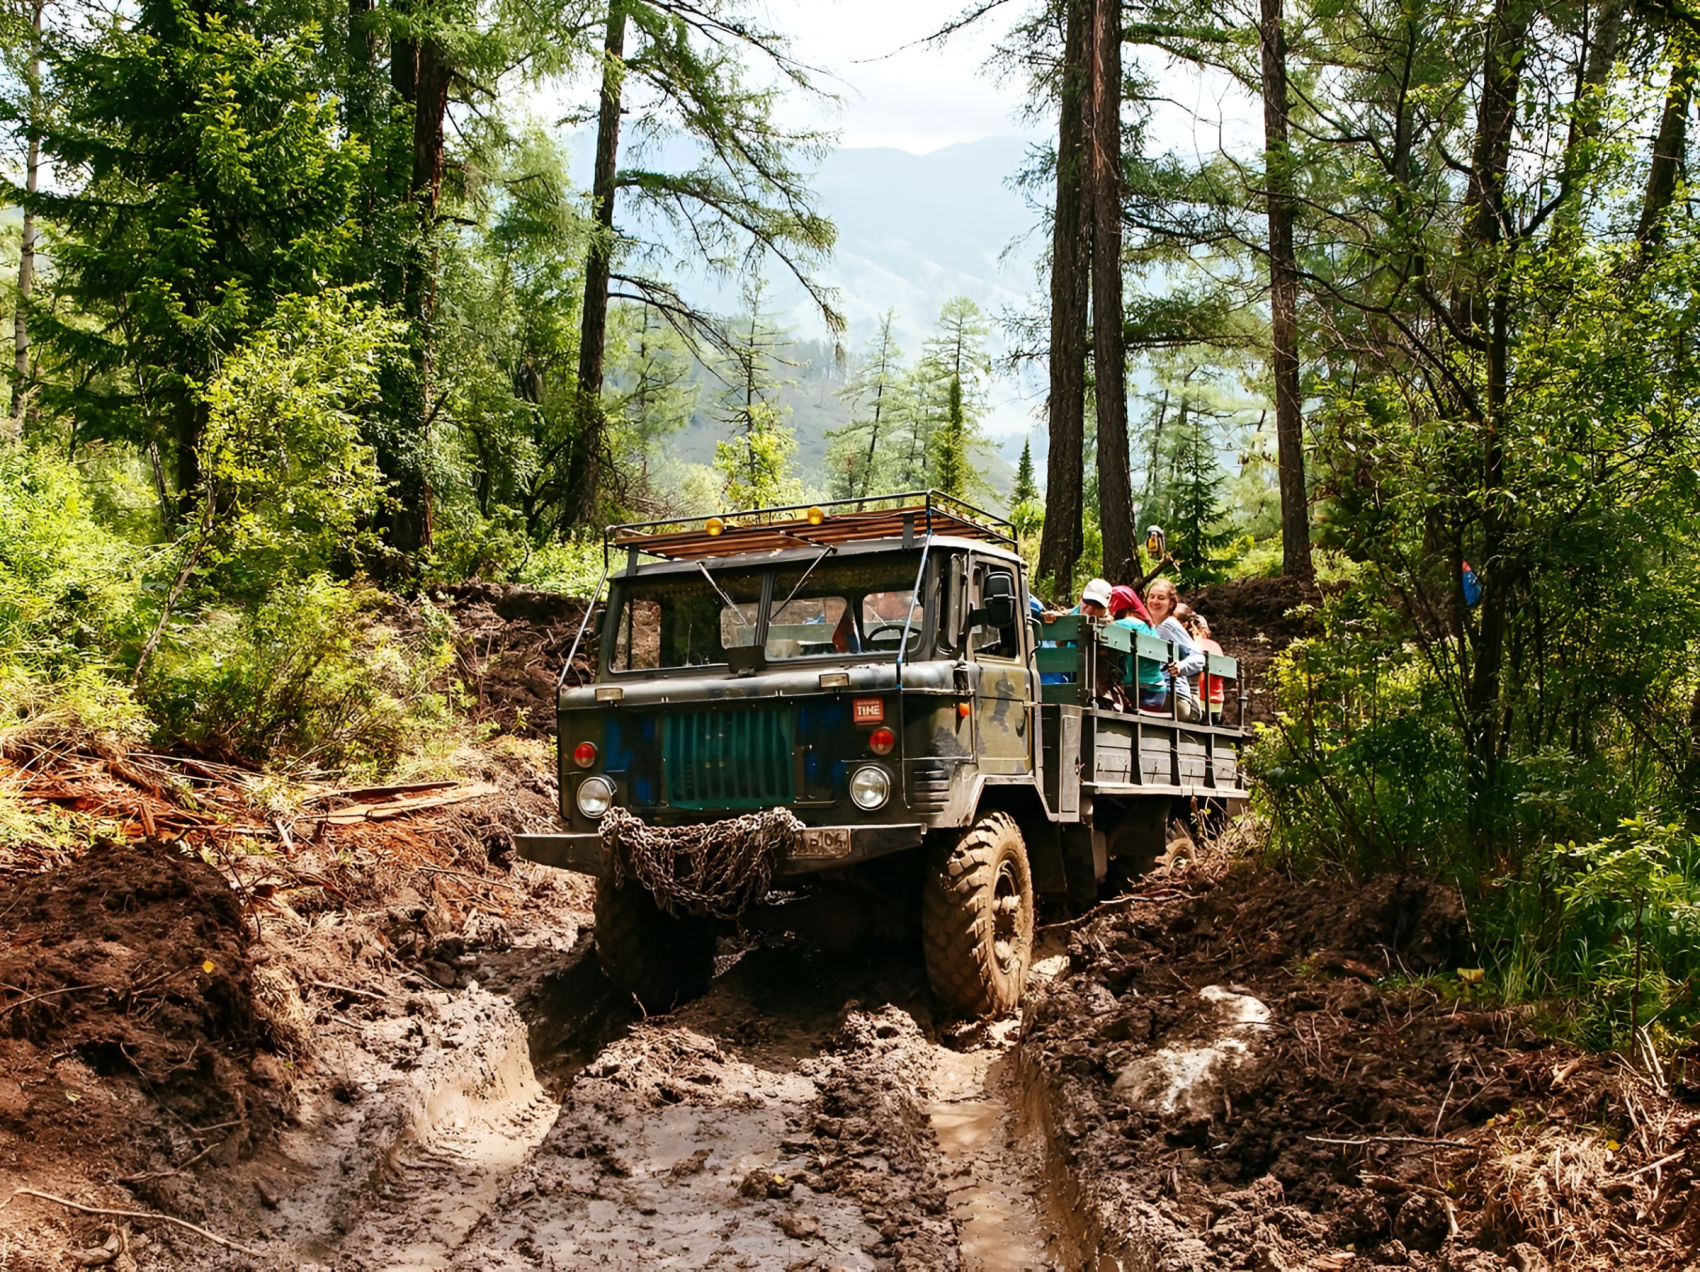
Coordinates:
<point>738,758</point>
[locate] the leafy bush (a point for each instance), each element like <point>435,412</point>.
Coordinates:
<point>1359,771</point>
<point>68,597</point>
<point>312,675</point>
<point>1607,934</point>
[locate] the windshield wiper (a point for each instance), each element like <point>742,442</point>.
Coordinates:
<point>730,604</point>
<point>824,553</point>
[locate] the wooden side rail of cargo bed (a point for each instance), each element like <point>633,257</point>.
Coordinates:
<point>1077,657</point>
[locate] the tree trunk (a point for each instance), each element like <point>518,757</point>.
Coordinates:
<point>1156,449</point>
<point>420,72</point>
<point>1487,283</point>
<point>584,465</point>
<point>1284,300</point>
<point>1668,146</point>
<point>26,249</point>
<point>1061,541</point>
<point>1109,352</point>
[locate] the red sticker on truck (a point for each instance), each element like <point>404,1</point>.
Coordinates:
<point>868,710</point>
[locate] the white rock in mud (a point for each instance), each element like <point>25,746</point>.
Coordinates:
<point>1188,1080</point>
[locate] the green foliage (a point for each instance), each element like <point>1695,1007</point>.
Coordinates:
<point>756,463</point>
<point>289,481</point>
<point>312,675</point>
<point>205,182</point>
<point>69,597</point>
<point>1356,772</point>
<point>1608,933</point>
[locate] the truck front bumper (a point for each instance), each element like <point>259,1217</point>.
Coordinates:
<point>820,848</point>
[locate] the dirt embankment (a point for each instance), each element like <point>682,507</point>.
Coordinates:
<point>1256,1075</point>
<point>510,643</point>
<point>182,992</point>
<point>1253,620</point>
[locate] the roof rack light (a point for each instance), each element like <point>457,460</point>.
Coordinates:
<point>922,513</point>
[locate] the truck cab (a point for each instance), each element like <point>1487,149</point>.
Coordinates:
<point>789,701</point>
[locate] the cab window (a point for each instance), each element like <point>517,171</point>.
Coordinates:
<point>987,641</point>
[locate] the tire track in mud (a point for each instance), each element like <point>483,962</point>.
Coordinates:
<point>804,1114</point>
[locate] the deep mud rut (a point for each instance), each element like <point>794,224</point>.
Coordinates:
<point>809,1112</point>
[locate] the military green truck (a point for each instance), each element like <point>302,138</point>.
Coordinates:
<point>826,719</point>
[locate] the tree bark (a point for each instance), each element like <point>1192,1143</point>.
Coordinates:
<point>1284,300</point>
<point>26,249</point>
<point>1668,146</point>
<point>584,465</point>
<point>1109,351</point>
<point>1486,312</point>
<point>1061,541</point>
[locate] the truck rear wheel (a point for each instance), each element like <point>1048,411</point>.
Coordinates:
<point>659,959</point>
<point>977,919</point>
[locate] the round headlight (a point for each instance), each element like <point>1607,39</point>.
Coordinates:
<point>595,796</point>
<point>870,787</point>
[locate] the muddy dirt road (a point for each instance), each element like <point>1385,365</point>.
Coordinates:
<point>807,1113</point>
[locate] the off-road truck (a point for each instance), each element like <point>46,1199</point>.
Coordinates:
<point>819,717</point>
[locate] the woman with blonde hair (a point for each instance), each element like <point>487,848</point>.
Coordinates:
<point>1162,601</point>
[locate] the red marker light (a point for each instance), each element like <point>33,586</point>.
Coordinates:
<point>881,741</point>
<point>584,754</point>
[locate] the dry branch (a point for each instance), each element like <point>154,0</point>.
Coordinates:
<point>146,1216</point>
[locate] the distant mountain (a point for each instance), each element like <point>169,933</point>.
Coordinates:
<point>913,231</point>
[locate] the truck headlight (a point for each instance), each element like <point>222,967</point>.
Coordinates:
<point>595,796</point>
<point>870,787</point>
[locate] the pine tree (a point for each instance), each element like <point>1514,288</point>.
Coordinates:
<point>855,462</point>
<point>213,183</point>
<point>1026,488</point>
<point>953,471</point>
<point>755,462</point>
<point>954,367</point>
<point>1195,513</point>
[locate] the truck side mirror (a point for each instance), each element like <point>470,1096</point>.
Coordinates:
<point>997,602</point>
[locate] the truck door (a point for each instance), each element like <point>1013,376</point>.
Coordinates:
<point>1003,719</point>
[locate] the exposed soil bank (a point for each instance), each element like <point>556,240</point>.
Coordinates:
<point>1255,619</point>
<point>1227,1088</point>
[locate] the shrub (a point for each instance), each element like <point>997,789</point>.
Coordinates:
<point>1606,932</point>
<point>68,598</point>
<point>1359,770</point>
<point>311,675</point>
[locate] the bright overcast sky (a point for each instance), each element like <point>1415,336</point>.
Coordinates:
<point>920,99</point>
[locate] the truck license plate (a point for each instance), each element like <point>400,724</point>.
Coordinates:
<point>823,842</point>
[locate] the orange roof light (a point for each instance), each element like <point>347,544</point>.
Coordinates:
<point>714,525</point>
<point>816,516</point>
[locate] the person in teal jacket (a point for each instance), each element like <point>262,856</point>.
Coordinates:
<point>1148,675</point>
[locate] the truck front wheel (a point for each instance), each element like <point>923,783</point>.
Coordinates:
<point>977,918</point>
<point>659,959</point>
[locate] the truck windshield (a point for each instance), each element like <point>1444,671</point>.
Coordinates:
<point>840,608</point>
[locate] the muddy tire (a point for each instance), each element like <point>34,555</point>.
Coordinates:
<point>661,960</point>
<point>977,919</point>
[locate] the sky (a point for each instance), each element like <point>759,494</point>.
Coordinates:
<point>917,99</point>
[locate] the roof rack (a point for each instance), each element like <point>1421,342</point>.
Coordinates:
<point>912,515</point>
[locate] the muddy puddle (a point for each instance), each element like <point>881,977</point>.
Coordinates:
<point>808,1113</point>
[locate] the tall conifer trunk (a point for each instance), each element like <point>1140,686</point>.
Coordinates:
<point>1484,310</point>
<point>1284,299</point>
<point>1061,541</point>
<point>584,467</point>
<point>1109,341</point>
<point>26,249</point>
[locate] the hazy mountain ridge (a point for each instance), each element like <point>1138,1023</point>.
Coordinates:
<point>914,231</point>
